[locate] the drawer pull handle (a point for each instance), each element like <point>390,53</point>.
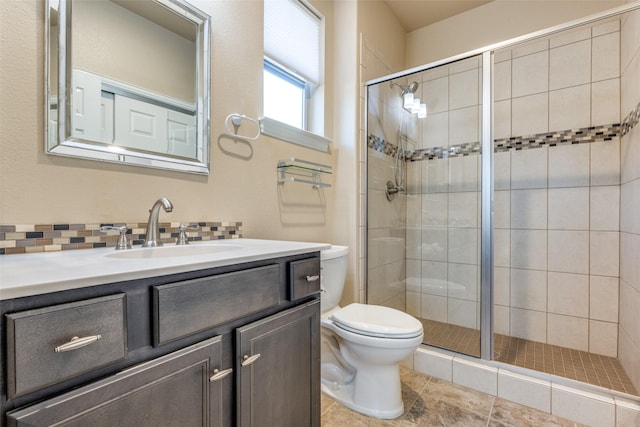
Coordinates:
<point>313,278</point>
<point>76,343</point>
<point>246,360</point>
<point>218,374</point>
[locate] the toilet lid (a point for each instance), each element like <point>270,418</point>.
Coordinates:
<point>377,321</point>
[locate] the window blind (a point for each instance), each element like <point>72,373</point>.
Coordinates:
<point>292,37</point>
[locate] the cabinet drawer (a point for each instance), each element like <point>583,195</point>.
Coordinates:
<point>304,278</point>
<point>183,308</point>
<point>94,331</point>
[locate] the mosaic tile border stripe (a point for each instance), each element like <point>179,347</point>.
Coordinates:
<point>20,239</point>
<point>381,146</point>
<point>631,120</point>
<point>551,139</point>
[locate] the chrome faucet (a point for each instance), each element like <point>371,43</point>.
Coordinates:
<point>153,230</point>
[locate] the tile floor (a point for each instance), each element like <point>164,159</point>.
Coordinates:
<point>432,402</point>
<point>578,365</point>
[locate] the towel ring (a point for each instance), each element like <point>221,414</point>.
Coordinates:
<point>236,120</point>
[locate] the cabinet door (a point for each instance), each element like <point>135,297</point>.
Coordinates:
<point>278,369</point>
<point>173,390</point>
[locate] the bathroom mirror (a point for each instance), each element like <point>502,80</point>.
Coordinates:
<point>128,81</point>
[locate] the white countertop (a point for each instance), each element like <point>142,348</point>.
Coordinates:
<point>39,273</point>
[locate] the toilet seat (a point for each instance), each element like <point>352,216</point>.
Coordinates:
<point>377,321</point>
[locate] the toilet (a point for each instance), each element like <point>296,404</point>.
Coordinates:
<point>362,345</point>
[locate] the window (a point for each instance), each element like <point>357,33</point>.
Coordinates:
<point>293,64</point>
<point>284,97</point>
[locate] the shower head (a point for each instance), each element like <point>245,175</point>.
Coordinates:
<point>413,87</point>
<point>410,88</point>
<point>409,102</point>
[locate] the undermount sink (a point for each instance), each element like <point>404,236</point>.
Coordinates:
<point>172,251</point>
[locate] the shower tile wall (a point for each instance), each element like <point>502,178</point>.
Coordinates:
<point>386,221</point>
<point>443,199</point>
<point>629,331</point>
<point>556,205</point>
<point>567,192</point>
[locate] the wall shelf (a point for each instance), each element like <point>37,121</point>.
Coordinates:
<point>303,171</point>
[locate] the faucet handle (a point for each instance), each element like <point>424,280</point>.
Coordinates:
<point>182,237</point>
<point>123,243</point>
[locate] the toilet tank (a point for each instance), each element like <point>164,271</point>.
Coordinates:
<point>333,271</point>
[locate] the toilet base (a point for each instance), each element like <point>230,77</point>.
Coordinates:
<point>374,390</point>
<point>344,396</point>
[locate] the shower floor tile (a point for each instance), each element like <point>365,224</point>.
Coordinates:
<point>578,365</point>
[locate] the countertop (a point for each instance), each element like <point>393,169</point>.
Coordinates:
<point>39,273</point>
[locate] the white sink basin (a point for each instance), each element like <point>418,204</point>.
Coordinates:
<point>172,251</point>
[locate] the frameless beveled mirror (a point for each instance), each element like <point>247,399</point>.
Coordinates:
<point>128,81</point>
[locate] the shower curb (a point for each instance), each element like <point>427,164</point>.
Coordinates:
<point>576,401</point>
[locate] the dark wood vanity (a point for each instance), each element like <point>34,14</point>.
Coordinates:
<point>230,345</point>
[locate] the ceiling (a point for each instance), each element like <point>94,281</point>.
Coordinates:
<point>414,14</point>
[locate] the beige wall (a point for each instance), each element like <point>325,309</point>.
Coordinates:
<point>381,31</point>
<point>345,116</point>
<point>36,188</point>
<point>491,23</point>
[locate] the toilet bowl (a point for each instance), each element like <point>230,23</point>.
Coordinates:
<point>362,345</point>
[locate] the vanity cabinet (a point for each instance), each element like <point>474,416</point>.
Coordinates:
<point>277,358</point>
<point>233,345</point>
<point>173,390</point>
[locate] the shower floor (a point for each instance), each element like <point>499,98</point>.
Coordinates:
<point>578,365</point>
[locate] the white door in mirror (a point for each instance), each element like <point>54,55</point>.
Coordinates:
<point>92,113</point>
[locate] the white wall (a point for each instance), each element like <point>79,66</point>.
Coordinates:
<point>491,23</point>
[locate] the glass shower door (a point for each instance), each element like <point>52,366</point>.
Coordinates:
<point>424,239</point>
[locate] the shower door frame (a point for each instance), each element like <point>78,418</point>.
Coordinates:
<point>486,182</point>
<point>486,189</point>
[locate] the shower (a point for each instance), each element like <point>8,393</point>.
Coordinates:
<point>515,241</point>
<point>397,185</point>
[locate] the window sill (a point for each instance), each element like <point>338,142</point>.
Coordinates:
<point>292,134</point>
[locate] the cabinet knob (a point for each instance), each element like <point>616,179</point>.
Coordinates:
<point>313,278</point>
<point>76,343</point>
<point>246,360</point>
<point>218,374</point>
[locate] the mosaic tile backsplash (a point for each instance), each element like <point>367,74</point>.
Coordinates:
<point>20,239</point>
